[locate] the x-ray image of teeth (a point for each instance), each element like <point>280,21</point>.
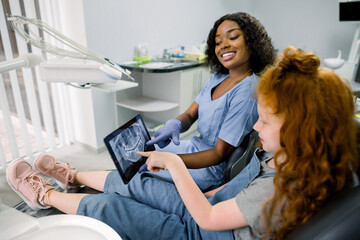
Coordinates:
<point>129,142</point>
<point>123,145</point>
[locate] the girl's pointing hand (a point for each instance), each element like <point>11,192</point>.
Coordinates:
<point>159,160</point>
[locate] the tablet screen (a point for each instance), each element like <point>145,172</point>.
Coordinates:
<point>124,142</point>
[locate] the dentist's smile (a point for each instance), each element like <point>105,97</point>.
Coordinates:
<point>227,56</point>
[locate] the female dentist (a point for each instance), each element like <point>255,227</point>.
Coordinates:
<point>238,48</point>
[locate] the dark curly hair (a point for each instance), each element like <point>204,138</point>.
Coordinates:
<point>258,42</point>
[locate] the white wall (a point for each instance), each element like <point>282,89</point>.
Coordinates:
<point>114,27</point>
<point>309,24</point>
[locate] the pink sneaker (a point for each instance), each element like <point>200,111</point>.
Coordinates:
<point>63,173</point>
<point>27,184</point>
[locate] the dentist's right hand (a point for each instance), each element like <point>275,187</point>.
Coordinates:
<point>163,135</point>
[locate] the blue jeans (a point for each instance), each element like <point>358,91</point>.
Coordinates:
<point>154,209</point>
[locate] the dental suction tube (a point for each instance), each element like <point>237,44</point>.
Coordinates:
<point>74,49</point>
<point>26,60</point>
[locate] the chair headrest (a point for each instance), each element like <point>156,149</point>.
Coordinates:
<point>338,220</point>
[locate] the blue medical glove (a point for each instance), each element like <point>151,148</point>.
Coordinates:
<point>163,135</point>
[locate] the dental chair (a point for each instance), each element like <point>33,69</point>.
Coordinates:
<point>241,156</point>
<point>340,219</point>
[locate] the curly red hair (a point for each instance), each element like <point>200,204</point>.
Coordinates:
<point>318,137</point>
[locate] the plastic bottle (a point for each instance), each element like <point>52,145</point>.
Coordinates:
<point>179,53</point>
<point>182,52</point>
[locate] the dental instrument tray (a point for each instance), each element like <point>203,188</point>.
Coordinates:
<point>123,145</point>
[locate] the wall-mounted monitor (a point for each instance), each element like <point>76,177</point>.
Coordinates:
<point>349,11</point>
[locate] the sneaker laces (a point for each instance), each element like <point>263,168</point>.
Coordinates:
<point>66,170</point>
<point>38,184</point>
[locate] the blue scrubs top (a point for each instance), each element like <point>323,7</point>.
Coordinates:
<point>229,117</point>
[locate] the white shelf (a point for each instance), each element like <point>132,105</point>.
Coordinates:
<point>147,104</point>
<point>117,86</point>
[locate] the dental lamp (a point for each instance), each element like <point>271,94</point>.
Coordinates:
<point>78,64</point>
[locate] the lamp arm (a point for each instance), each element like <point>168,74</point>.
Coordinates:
<point>26,60</point>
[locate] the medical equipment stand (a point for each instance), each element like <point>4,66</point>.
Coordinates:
<point>350,68</point>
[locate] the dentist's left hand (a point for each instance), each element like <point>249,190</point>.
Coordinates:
<point>159,160</point>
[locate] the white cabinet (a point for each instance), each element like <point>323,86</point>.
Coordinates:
<point>161,96</point>
<point>191,82</point>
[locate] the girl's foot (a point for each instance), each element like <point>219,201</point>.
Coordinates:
<point>27,183</point>
<point>63,173</point>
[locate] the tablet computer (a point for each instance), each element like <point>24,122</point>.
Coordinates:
<point>124,142</point>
